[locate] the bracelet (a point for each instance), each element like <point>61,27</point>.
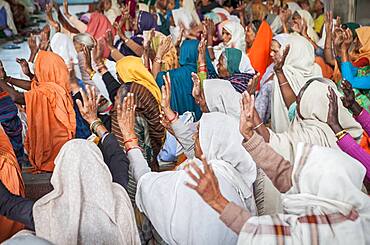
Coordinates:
<point>92,75</point>
<point>202,69</point>
<point>283,84</point>
<point>94,124</point>
<point>341,134</point>
<point>202,65</point>
<point>133,147</point>
<point>103,136</point>
<point>158,60</point>
<point>259,125</point>
<point>209,46</point>
<point>126,40</point>
<point>173,119</point>
<point>129,140</point>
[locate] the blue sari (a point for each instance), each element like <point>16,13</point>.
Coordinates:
<point>181,82</point>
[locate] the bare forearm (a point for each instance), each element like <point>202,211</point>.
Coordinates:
<point>136,48</point>
<point>344,55</point>
<point>16,96</point>
<point>66,24</point>
<point>262,129</point>
<point>24,84</point>
<point>116,54</point>
<point>328,52</point>
<point>287,91</point>
<point>156,69</point>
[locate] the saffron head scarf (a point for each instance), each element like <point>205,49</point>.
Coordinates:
<point>363,34</point>
<point>98,27</point>
<point>132,69</point>
<point>181,82</point>
<point>50,115</point>
<point>85,206</point>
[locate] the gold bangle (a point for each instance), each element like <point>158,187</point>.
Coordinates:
<point>341,134</point>
<point>158,60</point>
<point>92,75</point>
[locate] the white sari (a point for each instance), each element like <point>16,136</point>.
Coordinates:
<point>324,206</point>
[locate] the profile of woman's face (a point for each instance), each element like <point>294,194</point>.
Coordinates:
<point>226,36</point>
<point>222,67</point>
<point>275,53</point>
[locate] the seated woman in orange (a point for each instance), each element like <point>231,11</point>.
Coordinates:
<point>10,175</point>
<point>49,107</point>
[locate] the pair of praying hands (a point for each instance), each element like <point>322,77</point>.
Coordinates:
<point>125,110</point>
<point>348,101</point>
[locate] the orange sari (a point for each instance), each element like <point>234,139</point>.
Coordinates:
<point>259,53</point>
<point>50,115</point>
<point>10,175</point>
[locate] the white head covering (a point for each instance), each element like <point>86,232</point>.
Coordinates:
<point>85,207</point>
<point>299,67</point>
<point>62,45</point>
<point>237,33</point>
<point>324,206</point>
<point>9,16</point>
<point>221,96</point>
<point>310,24</point>
<point>178,213</point>
<point>313,127</point>
<point>293,6</point>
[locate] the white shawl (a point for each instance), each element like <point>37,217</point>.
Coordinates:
<point>85,207</point>
<point>310,24</point>
<point>312,128</point>
<point>327,187</point>
<point>178,213</point>
<point>221,96</point>
<point>299,67</point>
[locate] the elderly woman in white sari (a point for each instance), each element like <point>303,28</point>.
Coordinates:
<point>319,206</point>
<point>310,122</point>
<point>296,66</point>
<point>164,198</point>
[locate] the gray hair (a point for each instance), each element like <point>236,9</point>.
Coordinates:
<point>85,39</point>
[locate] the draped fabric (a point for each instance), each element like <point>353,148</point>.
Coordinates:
<point>49,108</point>
<point>310,124</point>
<point>181,82</point>
<point>98,27</point>
<point>259,53</point>
<point>11,176</point>
<point>85,206</point>
<point>363,34</point>
<point>321,207</point>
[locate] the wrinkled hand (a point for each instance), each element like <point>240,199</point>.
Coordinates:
<point>202,49</point>
<point>164,46</point>
<point>109,39</point>
<point>25,67</point>
<point>44,36</point>
<point>349,98</point>
<point>284,15</point>
<point>126,115</point>
<point>252,84</point>
<point>348,39</point>
<point>241,7</point>
<point>206,185</point>
<point>197,90</point>
<point>211,28</point>
<point>332,120</point>
<point>166,123</point>
<point>32,44</point>
<point>338,38</point>
<point>118,26</point>
<point>166,92</point>
<point>246,115</point>
<point>98,51</point>
<point>88,108</point>
<point>278,67</point>
<point>87,58</point>
<point>329,21</point>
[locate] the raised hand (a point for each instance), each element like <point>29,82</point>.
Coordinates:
<point>97,52</point>
<point>338,37</point>
<point>246,115</point>
<point>278,67</point>
<point>25,67</point>
<point>166,123</point>
<point>348,39</point>
<point>166,92</point>
<point>329,21</point>
<point>349,98</point>
<point>197,88</point>
<point>87,57</point>
<point>109,39</point>
<point>332,120</point>
<point>88,108</point>
<point>126,115</point>
<point>164,46</point>
<point>252,84</point>
<point>206,185</point>
<point>44,36</point>
<point>202,49</point>
<point>32,44</point>
<point>303,28</point>
<point>65,9</point>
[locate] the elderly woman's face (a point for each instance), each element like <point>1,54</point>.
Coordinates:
<point>78,46</point>
<point>296,21</point>
<point>275,53</point>
<point>222,67</point>
<point>226,36</point>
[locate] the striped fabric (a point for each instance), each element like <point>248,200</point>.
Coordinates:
<point>8,109</point>
<point>240,81</point>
